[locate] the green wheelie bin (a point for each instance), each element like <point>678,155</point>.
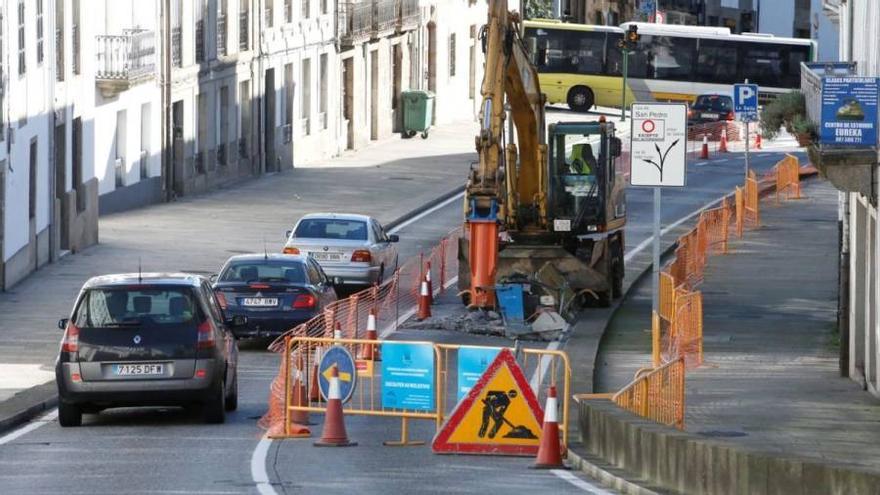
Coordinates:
<point>418,112</point>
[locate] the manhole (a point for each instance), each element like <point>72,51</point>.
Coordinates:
<point>722,434</point>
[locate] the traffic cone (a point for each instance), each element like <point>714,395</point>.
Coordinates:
<point>337,332</point>
<point>549,452</point>
<point>704,153</point>
<point>430,285</point>
<point>334,434</point>
<point>722,146</point>
<point>424,302</point>
<point>758,140</point>
<point>370,352</point>
<point>314,391</point>
<point>299,419</point>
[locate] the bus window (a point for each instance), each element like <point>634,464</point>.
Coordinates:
<point>673,57</point>
<point>716,62</point>
<point>796,55</point>
<point>613,58</point>
<point>639,64</point>
<point>567,51</point>
<point>763,64</point>
<point>587,51</point>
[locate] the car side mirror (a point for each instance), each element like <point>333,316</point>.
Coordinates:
<point>615,147</point>
<point>62,323</point>
<point>237,321</point>
<point>393,238</point>
<point>213,278</point>
<point>337,281</point>
<point>287,234</point>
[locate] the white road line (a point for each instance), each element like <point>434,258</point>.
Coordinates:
<point>427,212</point>
<point>258,467</point>
<point>582,484</point>
<point>33,425</point>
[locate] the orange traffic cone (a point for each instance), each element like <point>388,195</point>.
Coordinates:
<point>424,302</point>
<point>370,352</point>
<point>758,140</point>
<point>314,391</point>
<point>299,419</point>
<point>704,152</point>
<point>722,146</point>
<point>430,285</point>
<point>549,453</point>
<point>337,332</point>
<point>334,434</point>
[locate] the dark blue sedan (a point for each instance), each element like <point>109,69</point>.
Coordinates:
<point>275,291</point>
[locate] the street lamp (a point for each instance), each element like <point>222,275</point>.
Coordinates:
<point>627,44</point>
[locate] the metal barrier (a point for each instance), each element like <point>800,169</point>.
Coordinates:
<point>788,178</point>
<point>657,395</point>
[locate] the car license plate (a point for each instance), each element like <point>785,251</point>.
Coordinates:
<point>260,301</point>
<point>327,256</point>
<point>710,115</point>
<point>138,369</point>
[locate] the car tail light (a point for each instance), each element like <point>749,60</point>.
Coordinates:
<point>731,116</point>
<point>76,377</point>
<point>70,342</point>
<point>304,301</point>
<point>260,286</point>
<point>200,373</point>
<point>206,335</point>
<point>221,299</point>
<point>361,255</point>
<point>690,113</point>
<point>290,250</point>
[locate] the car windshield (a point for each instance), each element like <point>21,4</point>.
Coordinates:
<point>713,102</point>
<point>289,271</point>
<point>331,228</point>
<point>122,307</point>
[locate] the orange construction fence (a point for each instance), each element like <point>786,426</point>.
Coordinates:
<point>788,178</point>
<point>657,395</point>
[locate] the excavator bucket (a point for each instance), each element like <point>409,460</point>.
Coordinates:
<point>554,267</point>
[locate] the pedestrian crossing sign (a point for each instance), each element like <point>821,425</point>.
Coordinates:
<point>499,416</point>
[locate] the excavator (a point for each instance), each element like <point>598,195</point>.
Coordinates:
<point>544,206</point>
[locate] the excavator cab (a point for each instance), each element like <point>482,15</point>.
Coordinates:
<point>585,193</point>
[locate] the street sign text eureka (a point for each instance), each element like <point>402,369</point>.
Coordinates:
<point>849,111</point>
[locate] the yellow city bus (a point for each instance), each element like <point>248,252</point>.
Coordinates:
<point>581,65</point>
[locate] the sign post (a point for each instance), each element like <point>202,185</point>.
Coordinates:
<point>658,158</point>
<point>745,104</point>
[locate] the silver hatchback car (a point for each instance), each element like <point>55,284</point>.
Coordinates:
<point>354,248</point>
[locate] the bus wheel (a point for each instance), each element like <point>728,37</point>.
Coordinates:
<point>580,99</point>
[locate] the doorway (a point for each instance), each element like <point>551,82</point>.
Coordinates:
<point>269,120</point>
<point>177,161</point>
<point>61,186</point>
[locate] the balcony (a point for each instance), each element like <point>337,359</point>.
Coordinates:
<point>355,22</point>
<point>221,35</point>
<point>243,40</point>
<point>124,60</point>
<point>407,15</point>
<point>385,14</point>
<point>59,54</point>
<point>849,168</point>
<point>176,47</point>
<point>200,41</point>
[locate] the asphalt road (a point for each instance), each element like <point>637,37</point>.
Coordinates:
<point>169,451</point>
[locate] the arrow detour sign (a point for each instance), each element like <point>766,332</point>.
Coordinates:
<point>499,416</point>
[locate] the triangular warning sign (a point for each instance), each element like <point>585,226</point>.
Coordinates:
<point>499,416</point>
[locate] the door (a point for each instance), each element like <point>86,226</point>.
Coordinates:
<point>269,121</point>
<point>177,147</point>
<point>348,102</point>
<point>61,186</point>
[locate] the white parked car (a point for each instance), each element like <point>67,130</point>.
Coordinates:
<point>354,248</point>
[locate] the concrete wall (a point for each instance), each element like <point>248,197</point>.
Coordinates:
<point>684,463</point>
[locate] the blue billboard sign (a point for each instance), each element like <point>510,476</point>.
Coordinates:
<point>408,376</point>
<point>849,111</point>
<point>472,362</point>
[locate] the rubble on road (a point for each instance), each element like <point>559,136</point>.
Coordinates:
<point>548,326</point>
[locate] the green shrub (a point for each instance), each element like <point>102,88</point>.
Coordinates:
<point>782,112</point>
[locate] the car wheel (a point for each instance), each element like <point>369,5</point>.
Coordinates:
<point>580,99</point>
<point>69,414</point>
<point>232,398</point>
<point>215,408</point>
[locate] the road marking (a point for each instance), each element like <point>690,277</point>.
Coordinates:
<point>33,425</point>
<point>579,483</point>
<point>427,212</point>
<point>258,467</point>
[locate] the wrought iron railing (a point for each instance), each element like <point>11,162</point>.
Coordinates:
<point>59,54</point>
<point>200,40</point>
<point>75,36</point>
<point>221,34</point>
<point>131,55</point>
<point>176,49</point>
<point>243,41</point>
<point>385,15</point>
<point>408,14</point>
<point>355,22</point>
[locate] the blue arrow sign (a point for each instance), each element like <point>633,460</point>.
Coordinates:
<point>340,357</point>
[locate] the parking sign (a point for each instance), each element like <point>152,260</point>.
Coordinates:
<point>745,102</point>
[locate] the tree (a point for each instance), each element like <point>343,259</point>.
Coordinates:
<point>538,9</point>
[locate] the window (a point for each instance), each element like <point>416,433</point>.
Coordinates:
<point>716,62</point>
<point>322,90</point>
<point>177,33</point>
<point>326,228</point>
<point>243,31</point>
<point>270,13</point>
<point>244,105</point>
<point>200,30</point>
<point>75,33</point>
<point>32,197</point>
<point>288,94</point>
<point>291,271</point>
<point>288,10</point>
<point>306,90</point>
<point>122,307</point>
<point>315,276</point>
<point>763,64</point>
<point>324,6</point>
<point>222,32</point>
<point>452,55</point>
<point>223,134</point>
<point>21,53</point>
<point>672,57</point>
<point>559,50</point>
<point>306,8</point>
<point>40,34</point>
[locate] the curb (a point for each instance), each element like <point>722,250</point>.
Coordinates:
<point>606,477</point>
<point>31,402</point>
<point>430,204</point>
<point>27,404</point>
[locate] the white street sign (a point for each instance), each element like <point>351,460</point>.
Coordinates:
<point>658,149</point>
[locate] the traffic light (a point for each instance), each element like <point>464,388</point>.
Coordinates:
<point>631,39</point>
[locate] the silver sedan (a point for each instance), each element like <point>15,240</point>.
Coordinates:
<point>354,248</point>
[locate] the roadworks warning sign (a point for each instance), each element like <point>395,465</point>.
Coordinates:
<point>499,416</point>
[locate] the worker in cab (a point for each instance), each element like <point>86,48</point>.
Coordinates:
<point>583,162</point>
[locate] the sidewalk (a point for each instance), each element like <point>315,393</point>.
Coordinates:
<point>770,383</point>
<point>197,234</point>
